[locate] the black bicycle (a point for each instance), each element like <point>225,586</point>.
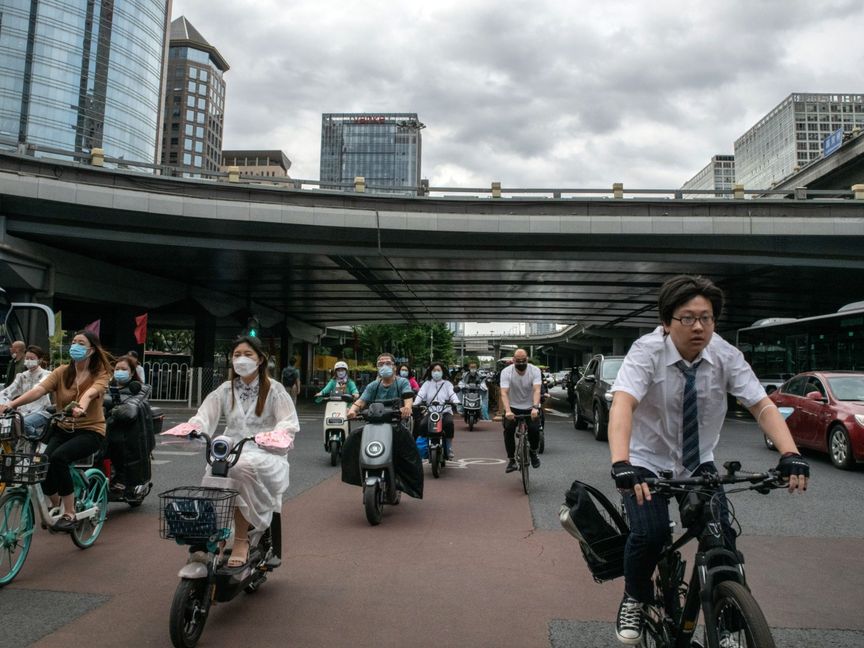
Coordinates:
<point>717,584</point>
<point>523,461</point>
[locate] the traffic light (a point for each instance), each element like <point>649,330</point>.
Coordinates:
<point>252,327</point>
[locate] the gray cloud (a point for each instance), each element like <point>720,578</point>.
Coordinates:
<point>530,93</point>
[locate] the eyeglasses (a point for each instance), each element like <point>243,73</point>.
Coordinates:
<point>384,363</point>
<point>689,320</point>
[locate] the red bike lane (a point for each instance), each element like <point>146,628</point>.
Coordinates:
<point>463,567</point>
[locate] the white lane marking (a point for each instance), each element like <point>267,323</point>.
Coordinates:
<point>557,413</point>
<point>175,452</point>
<point>159,462</point>
<point>471,461</point>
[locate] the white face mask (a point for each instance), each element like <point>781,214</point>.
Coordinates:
<point>244,366</point>
<point>30,364</point>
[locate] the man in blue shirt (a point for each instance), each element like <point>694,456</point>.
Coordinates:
<point>387,387</point>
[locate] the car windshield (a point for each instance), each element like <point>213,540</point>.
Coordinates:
<point>847,388</point>
<point>610,369</point>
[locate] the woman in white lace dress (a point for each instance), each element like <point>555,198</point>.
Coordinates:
<point>253,405</point>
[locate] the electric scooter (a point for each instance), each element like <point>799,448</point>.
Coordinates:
<point>336,424</point>
<point>203,517</point>
<point>376,458</point>
<point>471,405</point>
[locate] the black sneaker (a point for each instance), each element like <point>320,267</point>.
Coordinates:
<point>628,627</point>
<point>535,460</point>
<point>65,523</point>
<point>511,466</point>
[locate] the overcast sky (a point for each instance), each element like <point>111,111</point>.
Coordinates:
<point>529,92</point>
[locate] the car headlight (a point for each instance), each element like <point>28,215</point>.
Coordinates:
<point>860,419</point>
<point>608,397</point>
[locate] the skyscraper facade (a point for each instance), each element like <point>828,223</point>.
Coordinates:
<point>83,75</point>
<point>791,135</point>
<point>719,173</point>
<point>194,102</point>
<point>383,148</point>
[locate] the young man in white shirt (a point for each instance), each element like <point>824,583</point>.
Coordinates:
<point>668,408</point>
<point>520,394</point>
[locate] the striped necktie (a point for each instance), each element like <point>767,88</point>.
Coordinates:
<point>690,417</point>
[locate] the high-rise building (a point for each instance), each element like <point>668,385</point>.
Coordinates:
<point>719,173</point>
<point>383,148</point>
<point>791,135</point>
<point>194,102</point>
<point>273,164</point>
<point>82,75</point>
<point>457,328</point>
<point>541,328</point>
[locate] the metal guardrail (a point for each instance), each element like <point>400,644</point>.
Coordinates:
<point>97,158</point>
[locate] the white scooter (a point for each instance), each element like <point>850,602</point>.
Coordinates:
<point>336,423</point>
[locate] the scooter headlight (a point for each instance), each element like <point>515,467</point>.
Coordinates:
<point>221,448</point>
<point>374,449</point>
<point>435,417</point>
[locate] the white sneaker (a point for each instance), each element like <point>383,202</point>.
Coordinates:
<point>628,627</point>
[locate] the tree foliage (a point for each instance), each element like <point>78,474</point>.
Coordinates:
<point>170,340</point>
<point>411,340</point>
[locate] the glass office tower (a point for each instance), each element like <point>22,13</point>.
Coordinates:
<point>718,174</point>
<point>194,102</point>
<point>383,148</point>
<point>83,75</point>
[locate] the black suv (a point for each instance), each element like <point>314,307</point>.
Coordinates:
<point>591,394</point>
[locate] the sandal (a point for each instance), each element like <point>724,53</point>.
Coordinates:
<point>239,558</point>
<point>66,522</point>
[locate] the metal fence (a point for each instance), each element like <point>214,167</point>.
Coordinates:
<point>170,381</point>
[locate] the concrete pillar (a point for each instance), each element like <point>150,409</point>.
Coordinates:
<point>233,174</point>
<point>618,190</point>
<point>307,366</point>
<point>423,190</point>
<point>620,346</point>
<point>496,189</point>
<point>859,191</point>
<point>359,184</point>
<point>97,157</point>
<point>204,343</point>
<point>738,189</point>
<point>800,193</point>
<point>286,349</point>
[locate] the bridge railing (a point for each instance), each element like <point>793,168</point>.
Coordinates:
<point>97,158</point>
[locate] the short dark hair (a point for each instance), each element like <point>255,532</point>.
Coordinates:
<point>681,289</point>
<point>35,350</point>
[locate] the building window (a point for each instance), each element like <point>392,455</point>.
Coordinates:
<point>191,86</point>
<point>190,101</point>
<point>193,72</point>
<point>187,159</point>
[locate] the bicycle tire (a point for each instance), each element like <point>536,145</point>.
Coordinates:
<point>525,462</point>
<point>92,491</point>
<point>736,612</point>
<point>17,521</point>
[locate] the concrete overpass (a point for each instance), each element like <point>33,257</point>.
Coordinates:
<point>192,252</point>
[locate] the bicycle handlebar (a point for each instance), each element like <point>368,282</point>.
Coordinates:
<point>761,480</point>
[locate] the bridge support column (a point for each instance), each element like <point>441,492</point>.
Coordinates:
<point>620,346</point>
<point>307,368</point>
<point>286,349</point>
<point>204,344</point>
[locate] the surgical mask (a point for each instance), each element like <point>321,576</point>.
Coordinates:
<point>78,352</point>
<point>403,373</point>
<point>31,363</point>
<point>341,373</point>
<point>244,366</point>
<point>472,371</point>
<point>520,366</point>
<point>437,375</point>
<point>385,371</point>
<point>121,375</point>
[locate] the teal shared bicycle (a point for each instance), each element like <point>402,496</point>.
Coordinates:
<point>21,470</point>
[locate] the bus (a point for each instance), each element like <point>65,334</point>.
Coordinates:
<point>778,348</point>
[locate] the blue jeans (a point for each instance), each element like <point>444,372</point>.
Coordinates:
<point>649,533</point>
<point>34,424</point>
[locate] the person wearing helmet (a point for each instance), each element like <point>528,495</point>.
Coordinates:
<point>340,382</point>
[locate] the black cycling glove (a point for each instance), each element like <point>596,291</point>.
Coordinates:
<point>625,475</point>
<point>793,464</point>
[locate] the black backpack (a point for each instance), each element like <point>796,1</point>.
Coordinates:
<point>289,376</point>
<point>601,530</point>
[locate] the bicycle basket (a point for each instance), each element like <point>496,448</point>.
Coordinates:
<point>192,514</point>
<point>593,520</point>
<point>10,426</point>
<point>23,468</point>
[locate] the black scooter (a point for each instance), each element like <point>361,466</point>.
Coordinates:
<point>202,517</point>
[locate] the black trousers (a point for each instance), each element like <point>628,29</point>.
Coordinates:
<point>510,432</point>
<point>63,450</point>
<point>650,531</point>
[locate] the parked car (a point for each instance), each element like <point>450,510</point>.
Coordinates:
<point>828,413</point>
<point>592,397</point>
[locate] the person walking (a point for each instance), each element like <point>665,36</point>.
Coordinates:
<point>291,379</point>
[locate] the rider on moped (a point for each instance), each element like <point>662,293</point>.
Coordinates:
<point>340,382</point>
<point>35,413</point>
<point>252,405</point>
<point>438,395</point>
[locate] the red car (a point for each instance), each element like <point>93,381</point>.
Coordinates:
<point>828,413</point>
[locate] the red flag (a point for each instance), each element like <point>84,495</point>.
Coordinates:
<point>94,327</point>
<point>141,328</point>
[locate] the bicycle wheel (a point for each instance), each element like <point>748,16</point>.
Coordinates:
<point>189,611</point>
<point>16,533</point>
<point>739,620</point>
<point>525,462</point>
<point>92,492</point>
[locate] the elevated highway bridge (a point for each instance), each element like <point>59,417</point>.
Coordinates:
<point>207,254</point>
